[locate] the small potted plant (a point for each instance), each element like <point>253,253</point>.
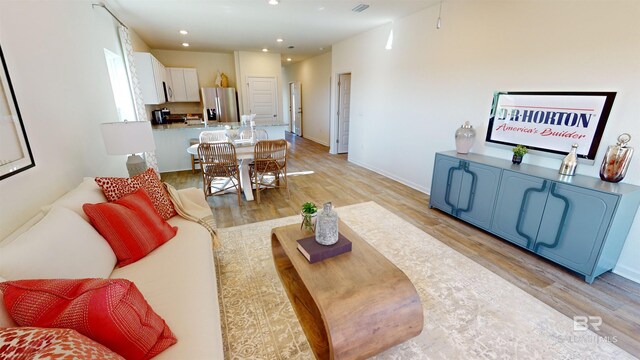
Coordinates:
<point>518,153</point>
<point>309,212</point>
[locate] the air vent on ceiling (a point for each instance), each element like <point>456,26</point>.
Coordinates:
<point>360,8</point>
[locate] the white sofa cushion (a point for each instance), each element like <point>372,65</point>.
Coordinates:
<point>5,318</point>
<point>87,192</point>
<point>61,245</point>
<point>179,282</point>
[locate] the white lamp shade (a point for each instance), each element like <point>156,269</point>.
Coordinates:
<point>127,137</point>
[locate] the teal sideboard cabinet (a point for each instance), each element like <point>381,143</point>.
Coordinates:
<point>579,222</point>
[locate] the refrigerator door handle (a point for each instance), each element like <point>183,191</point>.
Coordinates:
<point>220,114</point>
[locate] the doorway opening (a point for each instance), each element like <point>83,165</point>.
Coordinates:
<point>344,112</point>
<point>295,107</point>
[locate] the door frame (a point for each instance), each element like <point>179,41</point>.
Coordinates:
<point>292,110</point>
<point>337,112</point>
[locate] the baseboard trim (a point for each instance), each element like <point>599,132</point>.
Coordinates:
<point>627,273</point>
<point>408,183</point>
<point>316,140</point>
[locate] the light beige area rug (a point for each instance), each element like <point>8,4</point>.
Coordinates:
<point>470,313</point>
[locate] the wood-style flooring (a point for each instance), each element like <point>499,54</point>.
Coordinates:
<point>316,175</point>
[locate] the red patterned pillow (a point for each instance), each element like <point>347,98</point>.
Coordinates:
<point>38,343</point>
<point>115,188</point>
<point>131,225</point>
<point>110,311</point>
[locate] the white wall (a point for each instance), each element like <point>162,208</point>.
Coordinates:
<point>418,93</point>
<point>257,64</point>
<point>314,74</point>
<point>54,52</point>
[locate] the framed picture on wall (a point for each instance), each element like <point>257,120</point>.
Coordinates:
<point>550,121</point>
<point>15,152</point>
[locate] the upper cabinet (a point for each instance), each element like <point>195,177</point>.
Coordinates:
<point>183,85</point>
<point>152,77</point>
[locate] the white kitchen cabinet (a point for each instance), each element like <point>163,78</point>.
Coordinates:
<point>152,76</point>
<point>183,85</point>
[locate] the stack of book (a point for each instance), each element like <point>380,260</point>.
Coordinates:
<point>315,252</point>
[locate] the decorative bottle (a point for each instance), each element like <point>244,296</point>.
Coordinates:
<point>327,225</point>
<point>465,137</point>
<point>616,160</point>
<point>568,166</point>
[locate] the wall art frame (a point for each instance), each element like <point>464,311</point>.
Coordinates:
<point>550,121</point>
<point>15,151</point>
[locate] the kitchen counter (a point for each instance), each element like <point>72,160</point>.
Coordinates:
<point>172,140</point>
<point>210,126</point>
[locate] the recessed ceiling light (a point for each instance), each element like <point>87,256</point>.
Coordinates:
<point>265,50</point>
<point>288,59</point>
<point>321,48</point>
<point>274,2</point>
<point>185,44</point>
<point>279,39</point>
<point>184,32</point>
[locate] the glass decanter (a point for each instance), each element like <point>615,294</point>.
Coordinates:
<point>327,225</point>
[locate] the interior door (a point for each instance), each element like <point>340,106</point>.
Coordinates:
<point>296,107</point>
<point>263,100</point>
<point>344,104</point>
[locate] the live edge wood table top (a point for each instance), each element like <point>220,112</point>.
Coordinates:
<point>351,306</point>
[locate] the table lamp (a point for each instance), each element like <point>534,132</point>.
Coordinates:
<point>129,137</point>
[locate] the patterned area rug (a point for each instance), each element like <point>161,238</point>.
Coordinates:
<point>470,313</point>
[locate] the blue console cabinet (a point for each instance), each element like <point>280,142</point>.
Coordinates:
<point>576,221</point>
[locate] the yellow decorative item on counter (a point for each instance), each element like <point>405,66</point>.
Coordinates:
<point>224,80</point>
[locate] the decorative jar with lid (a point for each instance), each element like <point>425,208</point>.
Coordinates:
<point>327,225</point>
<point>465,136</point>
<point>616,160</point>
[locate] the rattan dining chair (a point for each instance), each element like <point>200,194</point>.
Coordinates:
<point>269,167</point>
<point>213,136</point>
<point>218,162</point>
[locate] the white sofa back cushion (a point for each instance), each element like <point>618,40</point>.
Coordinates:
<point>61,245</point>
<point>87,192</point>
<point>5,318</point>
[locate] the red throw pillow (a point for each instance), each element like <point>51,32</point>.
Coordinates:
<point>115,188</point>
<point>112,312</point>
<point>131,225</point>
<point>38,343</point>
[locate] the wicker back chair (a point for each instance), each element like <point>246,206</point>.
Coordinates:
<point>269,165</point>
<point>261,134</point>
<point>213,136</point>
<point>219,163</point>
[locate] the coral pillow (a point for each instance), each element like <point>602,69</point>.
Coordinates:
<point>37,343</point>
<point>115,188</point>
<point>112,312</point>
<point>130,225</point>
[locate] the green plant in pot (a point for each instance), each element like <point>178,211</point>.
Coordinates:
<point>309,212</point>
<point>518,153</point>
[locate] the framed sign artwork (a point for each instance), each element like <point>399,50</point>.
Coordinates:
<point>15,153</point>
<point>550,121</point>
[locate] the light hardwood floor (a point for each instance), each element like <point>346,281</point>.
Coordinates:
<point>317,176</point>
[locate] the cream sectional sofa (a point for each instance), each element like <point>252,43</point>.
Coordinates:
<point>178,279</point>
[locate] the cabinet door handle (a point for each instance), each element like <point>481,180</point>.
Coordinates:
<point>563,219</point>
<point>447,192</point>
<point>472,192</point>
<point>523,208</point>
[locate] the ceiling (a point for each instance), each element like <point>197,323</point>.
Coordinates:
<point>310,26</point>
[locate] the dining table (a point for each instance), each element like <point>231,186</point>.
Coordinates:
<point>244,154</point>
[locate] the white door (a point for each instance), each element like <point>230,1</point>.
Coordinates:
<point>296,107</point>
<point>263,99</point>
<point>344,103</point>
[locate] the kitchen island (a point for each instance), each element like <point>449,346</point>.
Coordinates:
<point>172,140</point>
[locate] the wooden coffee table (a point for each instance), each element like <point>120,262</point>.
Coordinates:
<point>351,306</point>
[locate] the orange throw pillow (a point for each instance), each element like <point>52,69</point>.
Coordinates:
<point>114,188</point>
<point>38,343</point>
<point>131,225</point>
<point>112,312</point>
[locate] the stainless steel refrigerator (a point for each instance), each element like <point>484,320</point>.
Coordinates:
<point>219,104</point>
